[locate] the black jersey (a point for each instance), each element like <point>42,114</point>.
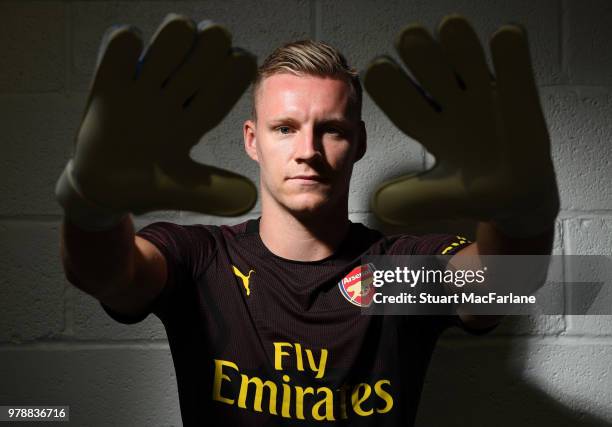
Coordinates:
<point>260,340</point>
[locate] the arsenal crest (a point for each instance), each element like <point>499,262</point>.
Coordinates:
<point>357,287</point>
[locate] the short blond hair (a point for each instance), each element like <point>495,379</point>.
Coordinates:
<point>310,57</point>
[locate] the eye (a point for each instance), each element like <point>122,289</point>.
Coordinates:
<point>283,130</point>
<point>334,131</point>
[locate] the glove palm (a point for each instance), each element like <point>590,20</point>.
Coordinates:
<point>488,136</point>
<point>143,117</point>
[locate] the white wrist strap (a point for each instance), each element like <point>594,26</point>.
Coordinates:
<point>80,211</point>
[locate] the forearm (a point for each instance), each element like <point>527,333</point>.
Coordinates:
<point>491,241</point>
<point>94,259</point>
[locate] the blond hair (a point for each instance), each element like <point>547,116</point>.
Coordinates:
<point>310,57</point>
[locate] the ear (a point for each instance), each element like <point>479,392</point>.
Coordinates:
<point>250,142</point>
<point>362,141</point>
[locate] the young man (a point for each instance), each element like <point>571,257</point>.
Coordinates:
<point>261,327</point>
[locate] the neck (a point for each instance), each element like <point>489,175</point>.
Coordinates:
<point>303,239</point>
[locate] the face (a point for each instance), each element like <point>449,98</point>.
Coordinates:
<point>306,139</point>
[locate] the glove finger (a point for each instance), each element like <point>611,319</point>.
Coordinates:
<point>427,62</point>
<point>517,91</point>
<point>410,199</point>
<point>169,46</point>
<point>203,65</point>
<point>210,106</point>
<point>398,96</point>
<point>117,59</point>
<point>464,51</point>
<point>202,188</point>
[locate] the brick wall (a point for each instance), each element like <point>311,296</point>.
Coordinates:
<point>57,346</point>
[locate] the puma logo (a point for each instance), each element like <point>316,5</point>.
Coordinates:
<point>245,279</point>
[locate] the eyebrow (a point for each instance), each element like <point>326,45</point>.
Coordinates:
<point>342,123</point>
<point>282,120</point>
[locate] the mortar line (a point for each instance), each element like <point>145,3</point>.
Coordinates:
<point>86,345</point>
<point>67,293</point>
<point>566,295</point>
<point>560,38</point>
<point>48,218</point>
<point>51,218</point>
<point>509,340</point>
<point>564,40</point>
<point>569,86</point>
<point>448,342</point>
<point>68,296</point>
<point>567,250</point>
<point>79,92</point>
<point>315,19</point>
<point>68,48</point>
<point>577,213</point>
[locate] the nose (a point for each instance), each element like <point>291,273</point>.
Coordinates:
<point>308,146</point>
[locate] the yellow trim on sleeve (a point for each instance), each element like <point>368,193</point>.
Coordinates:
<point>461,241</point>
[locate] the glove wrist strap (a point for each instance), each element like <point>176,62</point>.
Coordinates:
<point>81,212</point>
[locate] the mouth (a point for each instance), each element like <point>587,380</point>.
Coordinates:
<point>307,179</point>
<point>311,177</point>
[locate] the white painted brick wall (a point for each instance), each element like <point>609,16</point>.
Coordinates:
<point>33,52</point>
<point>57,346</point>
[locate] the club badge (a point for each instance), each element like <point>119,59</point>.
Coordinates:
<point>357,287</point>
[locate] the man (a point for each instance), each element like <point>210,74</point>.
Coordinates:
<point>261,327</point>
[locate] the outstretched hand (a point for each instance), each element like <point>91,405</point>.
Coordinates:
<point>143,116</point>
<point>487,133</point>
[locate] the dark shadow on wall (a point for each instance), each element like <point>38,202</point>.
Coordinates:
<point>472,384</point>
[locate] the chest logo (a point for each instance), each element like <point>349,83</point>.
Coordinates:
<point>245,279</point>
<point>357,287</point>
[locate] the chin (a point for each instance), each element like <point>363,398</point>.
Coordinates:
<point>308,204</point>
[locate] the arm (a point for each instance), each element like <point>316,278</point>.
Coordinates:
<point>491,241</point>
<point>123,271</point>
<point>132,150</point>
<point>488,134</point>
